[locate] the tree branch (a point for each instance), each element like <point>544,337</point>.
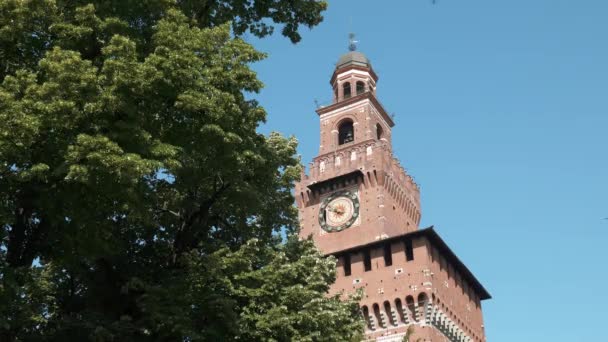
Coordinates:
<point>185,236</point>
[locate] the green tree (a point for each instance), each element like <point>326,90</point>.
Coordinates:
<point>137,200</point>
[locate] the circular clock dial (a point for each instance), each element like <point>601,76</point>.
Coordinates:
<point>339,211</point>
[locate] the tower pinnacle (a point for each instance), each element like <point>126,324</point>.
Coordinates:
<point>352,43</point>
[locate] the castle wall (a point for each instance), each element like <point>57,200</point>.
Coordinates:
<point>403,288</point>
<point>455,296</point>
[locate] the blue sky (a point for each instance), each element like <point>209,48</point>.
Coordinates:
<point>501,111</point>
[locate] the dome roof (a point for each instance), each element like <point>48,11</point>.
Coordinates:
<point>353,57</point>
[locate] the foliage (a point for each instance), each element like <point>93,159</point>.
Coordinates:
<point>138,201</point>
<point>408,334</point>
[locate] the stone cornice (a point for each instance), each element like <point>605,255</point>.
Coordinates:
<point>356,67</point>
<point>437,242</point>
<point>365,96</point>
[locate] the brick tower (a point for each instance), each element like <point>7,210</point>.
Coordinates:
<point>360,205</point>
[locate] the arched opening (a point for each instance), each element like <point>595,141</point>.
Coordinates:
<point>365,312</point>
<point>411,306</point>
<point>346,132</point>
<point>360,87</point>
<point>422,299</point>
<point>389,313</point>
<point>399,307</point>
<point>379,132</point>
<point>346,90</point>
<point>377,315</point>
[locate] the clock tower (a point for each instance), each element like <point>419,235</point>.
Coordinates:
<point>361,206</point>
<point>356,186</point>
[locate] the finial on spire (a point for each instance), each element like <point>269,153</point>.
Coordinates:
<point>352,43</point>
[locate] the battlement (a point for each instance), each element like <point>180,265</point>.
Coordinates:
<point>373,157</point>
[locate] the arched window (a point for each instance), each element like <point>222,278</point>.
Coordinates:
<point>379,131</point>
<point>411,305</point>
<point>346,90</point>
<point>378,315</point>
<point>346,132</point>
<point>399,308</point>
<point>389,312</point>
<point>422,299</point>
<point>360,87</point>
<point>365,312</point>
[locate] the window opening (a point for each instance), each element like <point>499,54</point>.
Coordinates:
<point>367,260</point>
<point>411,305</point>
<point>422,299</point>
<point>346,132</point>
<point>360,87</point>
<point>365,311</point>
<point>388,256</point>
<point>399,307</point>
<point>389,312</point>
<point>377,314</point>
<point>346,261</point>
<point>409,250</point>
<point>346,90</point>
<point>379,131</point>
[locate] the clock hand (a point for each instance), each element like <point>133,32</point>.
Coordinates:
<point>337,211</point>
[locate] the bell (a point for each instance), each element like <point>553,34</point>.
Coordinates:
<point>349,136</point>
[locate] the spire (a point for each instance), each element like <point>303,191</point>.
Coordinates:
<point>352,43</point>
<point>353,56</point>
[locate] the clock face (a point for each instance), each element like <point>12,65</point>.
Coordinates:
<point>339,211</point>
